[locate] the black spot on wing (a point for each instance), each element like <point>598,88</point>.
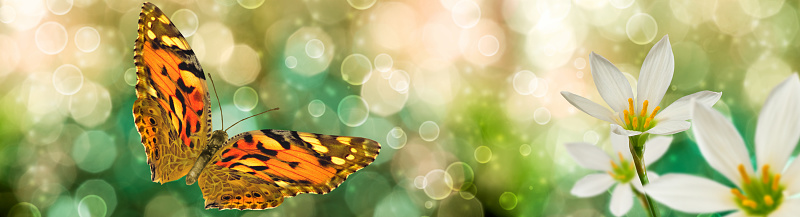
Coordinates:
<point>256,156</point>
<point>266,151</point>
<point>248,138</point>
<point>228,159</point>
<point>293,164</point>
<point>192,67</point>
<point>280,138</point>
<point>182,86</point>
<point>259,168</point>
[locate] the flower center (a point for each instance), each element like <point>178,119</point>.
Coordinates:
<point>639,121</point>
<point>624,171</point>
<point>759,197</point>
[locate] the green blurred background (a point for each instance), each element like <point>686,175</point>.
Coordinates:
<point>463,95</point>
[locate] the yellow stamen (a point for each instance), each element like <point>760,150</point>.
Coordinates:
<point>644,108</point>
<point>621,159</point>
<point>765,174</point>
<point>653,115</point>
<point>768,200</point>
<point>776,181</point>
<point>627,117</point>
<point>744,174</point>
<point>749,203</point>
<point>630,106</point>
<point>635,122</point>
<point>630,166</point>
<point>738,194</point>
<point>647,122</point>
<point>612,174</point>
<point>613,165</point>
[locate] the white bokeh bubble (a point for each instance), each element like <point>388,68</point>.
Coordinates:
<point>67,79</point>
<point>483,154</point>
<point>466,13</point>
<point>361,4</point>
<point>87,39</point>
<point>488,45</point>
<point>356,69</point>
<point>621,4</point>
<point>59,7</point>
<point>436,184</point>
<point>51,38</point>
<point>525,149</point>
<point>316,108</point>
<point>429,131</point>
<point>245,98</point>
<point>396,138</point>
<point>241,65</point>
<point>315,48</point>
<point>580,63</point>
<point>399,80</point>
<point>186,21</point>
<point>524,82</point>
<point>383,63</point>
<point>541,116</point>
<point>7,14</point>
<point>291,62</point>
<point>353,111</point>
<point>641,28</point>
<point>591,137</point>
<point>250,4</point>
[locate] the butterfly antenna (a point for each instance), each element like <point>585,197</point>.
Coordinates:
<point>273,109</point>
<point>222,119</point>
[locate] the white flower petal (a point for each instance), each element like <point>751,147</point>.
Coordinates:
<point>691,194</point>
<point>737,214</point>
<point>636,183</point>
<point>681,108</point>
<point>621,200</point>
<point>591,108</point>
<point>656,74</point>
<point>589,156</point>
<point>620,144</point>
<point>720,143</point>
<point>655,147</point>
<point>789,208</point>
<point>669,127</point>
<point>778,128</point>
<point>791,177</point>
<point>622,131</point>
<point>592,184</point>
<point>611,83</point>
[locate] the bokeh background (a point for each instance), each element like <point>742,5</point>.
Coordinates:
<point>462,94</point>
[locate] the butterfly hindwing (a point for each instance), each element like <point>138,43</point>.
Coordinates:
<point>256,169</point>
<point>172,110</point>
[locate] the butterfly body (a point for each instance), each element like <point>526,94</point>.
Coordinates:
<point>251,170</point>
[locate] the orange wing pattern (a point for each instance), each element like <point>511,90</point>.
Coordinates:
<point>172,111</point>
<point>257,169</point>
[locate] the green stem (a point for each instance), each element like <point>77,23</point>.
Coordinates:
<point>642,199</point>
<point>637,151</point>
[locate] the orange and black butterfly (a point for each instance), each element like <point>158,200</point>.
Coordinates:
<point>252,170</point>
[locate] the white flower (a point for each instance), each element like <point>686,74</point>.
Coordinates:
<point>619,170</point>
<point>757,193</point>
<point>631,116</point>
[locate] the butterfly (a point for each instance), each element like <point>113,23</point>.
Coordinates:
<point>252,170</point>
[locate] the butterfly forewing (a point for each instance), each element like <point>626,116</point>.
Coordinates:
<point>256,169</point>
<point>172,110</point>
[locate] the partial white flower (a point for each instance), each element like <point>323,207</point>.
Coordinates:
<point>761,191</point>
<point>617,170</point>
<point>631,115</point>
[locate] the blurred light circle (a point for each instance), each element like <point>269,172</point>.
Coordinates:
<point>382,99</point>
<point>315,48</point>
<point>579,74</point>
<point>429,131</point>
<point>419,182</point>
<point>541,116</point>
<point>399,80</point>
<point>24,209</point>
<point>250,4</point>
<point>580,63</point>
<point>245,99</point>
<point>67,79</point>
<point>461,176</point>
<point>591,137</point>
<point>51,38</point>
<point>353,111</point>
<point>63,206</point>
<point>483,154</point>
<point>316,108</point>
<point>241,66</point>
<point>731,18</point>
<point>59,7</point>
<point>466,13</point>
<point>211,42</point>
<point>508,200</point>
<point>488,45</point>
<point>92,153</point>
<point>458,206</point>
<point>436,184</point>
<point>7,14</point>
<point>47,193</point>
<point>165,205</point>
<point>525,149</point>
<point>397,204</point>
<point>383,63</point>
<point>99,188</point>
<point>761,8</point>
<point>92,206</point>
<point>524,82</point>
<point>186,21</point>
<point>469,192</point>
<point>91,105</point>
<point>130,76</point>
<point>361,4</point>
<point>428,204</point>
<point>365,189</point>
<point>621,4</point>
<point>356,69</point>
<point>758,84</point>
<point>291,62</point>
<point>87,39</point>
<point>641,28</point>
<point>396,138</point>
